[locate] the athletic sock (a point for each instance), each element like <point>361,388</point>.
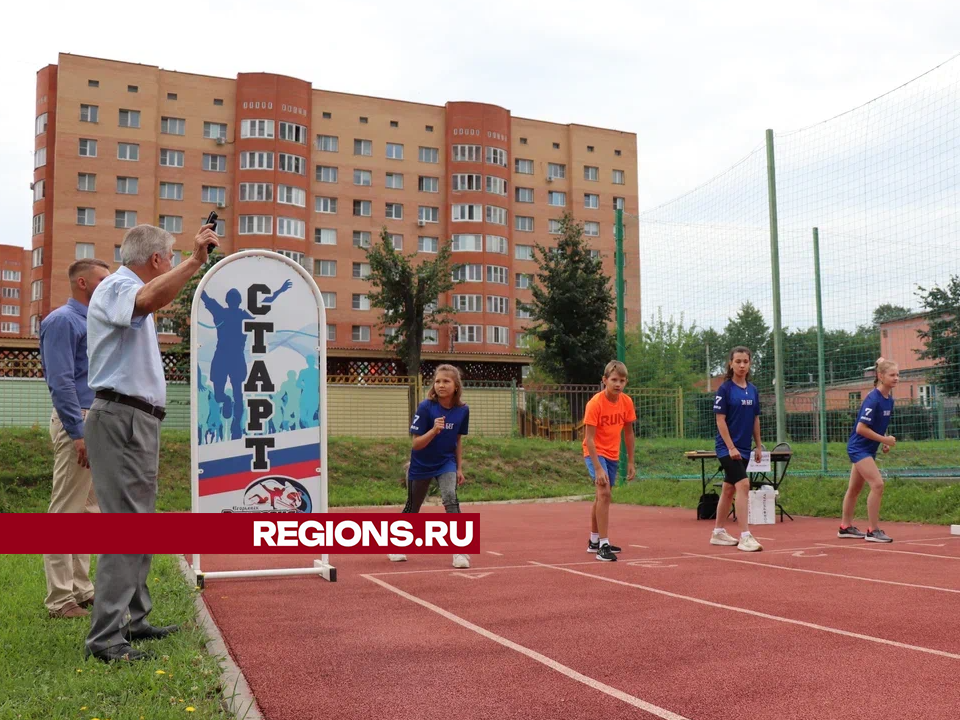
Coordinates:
<point>594,538</point>
<point>745,534</point>
<point>604,541</point>
<point>718,531</point>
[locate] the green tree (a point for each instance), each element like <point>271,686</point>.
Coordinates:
<point>942,335</point>
<point>705,351</point>
<point>887,312</point>
<point>572,304</point>
<point>658,354</point>
<point>182,307</point>
<point>749,329</point>
<point>408,294</point>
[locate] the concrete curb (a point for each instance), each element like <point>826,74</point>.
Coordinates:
<point>435,501</point>
<point>237,696</point>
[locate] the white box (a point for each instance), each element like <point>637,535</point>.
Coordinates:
<point>955,529</point>
<point>762,506</point>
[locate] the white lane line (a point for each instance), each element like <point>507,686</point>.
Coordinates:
<point>491,552</point>
<point>755,613</point>
<point>640,546</point>
<point>534,655</point>
<point>830,574</point>
<point>885,550</point>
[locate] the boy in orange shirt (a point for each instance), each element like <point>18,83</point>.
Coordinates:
<point>606,416</point>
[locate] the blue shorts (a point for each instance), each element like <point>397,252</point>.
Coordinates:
<point>609,465</point>
<point>860,455</point>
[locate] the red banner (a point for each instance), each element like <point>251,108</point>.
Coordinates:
<point>246,533</point>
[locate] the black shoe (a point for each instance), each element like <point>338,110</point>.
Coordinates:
<point>153,633</point>
<point>118,653</point>
<point>606,554</point>
<point>593,547</point>
<point>851,532</point>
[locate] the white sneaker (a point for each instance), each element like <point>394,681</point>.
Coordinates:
<point>461,561</point>
<point>748,543</point>
<point>397,558</point>
<point>722,538</point>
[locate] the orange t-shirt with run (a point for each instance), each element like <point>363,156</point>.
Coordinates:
<point>609,418</point>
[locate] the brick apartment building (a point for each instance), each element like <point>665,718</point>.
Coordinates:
<point>14,286</point>
<point>314,175</point>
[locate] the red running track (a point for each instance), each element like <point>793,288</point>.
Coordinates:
<point>813,627</point>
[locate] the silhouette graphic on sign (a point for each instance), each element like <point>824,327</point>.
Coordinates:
<point>309,384</point>
<point>229,358</point>
<point>289,402</point>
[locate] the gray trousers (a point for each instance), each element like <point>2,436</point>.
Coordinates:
<point>123,444</point>
<point>417,491</point>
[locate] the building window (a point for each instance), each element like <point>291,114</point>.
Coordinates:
<point>212,130</point>
<point>429,154</point>
<point>88,148</point>
<point>256,192</point>
<point>129,118</point>
<point>468,303</point>
<point>171,158</point>
<point>291,227</point>
<point>618,177</point>
<point>591,173</point>
<point>468,273</point>
<point>522,224</point>
<point>297,257</point>
<point>556,171</point>
<point>171,96</point>
<point>89,113</point>
<point>396,241</point>
<point>497,274</point>
<point>553,227</point>
<point>592,229</point>
<point>11,293</point>
<point>86,182</point>
<point>86,216</point>
<point>522,281</point>
<point>325,236</point>
<point>171,223</point>
<point>557,199</point>
<point>363,147</point>
<point>256,224</point>
<point>496,215</point>
<point>467,213</point>
<point>497,186</point>
<point>591,202</point>
<point>427,244</point>
<point>327,174</point>
<point>428,184</point>
<point>214,163</point>
<point>116,254</point>
<point>360,302</point>
<point>328,143</point>
<point>38,190</point>
<point>361,239</point>
<point>132,88</point>
<point>362,177</point>
<point>467,153</point>
<point>131,152</point>
<point>395,181</point>
<point>394,211</point>
<point>468,333</point>
<point>927,394</point>
<point>556,146</point>
<point>617,153</point>
<point>364,120</point>
<point>41,124</point>
<point>394,151</point>
<point>498,305</point>
<point>253,160</point>
<point>84,251</point>
<point>37,258</point>
<point>428,214</point>
<point>362,208</point>
<point>327,205</point>
<point>127,185</point>
<point>293,164</point>
<point>524,195</point>
<point>12,310</point>
<point>38,224</point>
<point>12,327</point>
<point>523,252</point>
<point>93,83</point>
<point>496,156</point>
<point>40,158</point>
<point>618,203</point>
<point>361,333</point>
<point>467,182</point>
<point>331,329</point>
<point>497,244</point>
<point>431,336</point>
<point>36,290</point>
<point>173,126</point>
<point>361,270</point>
<point>293,133</point>
<point>325,268</point>
<point>523,312</point>
<point>256,128</point>
<point>289,195</point>
<point>394,123</point>
<point>467,243</point>
<point>220,229</point>
<point>524,167</point>
<point>11,276</point>
<point>329,300</point>
<point>218,102</point>
<point>218,195</point>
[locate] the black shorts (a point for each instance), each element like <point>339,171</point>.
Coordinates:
<point>734,470</point>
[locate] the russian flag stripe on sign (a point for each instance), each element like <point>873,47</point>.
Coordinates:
<point>239,481</point>
<point>234,473</point>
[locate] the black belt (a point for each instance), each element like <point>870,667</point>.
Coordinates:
<point>157,412</point>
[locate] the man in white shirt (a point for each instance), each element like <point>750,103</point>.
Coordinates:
<point>122,428</point>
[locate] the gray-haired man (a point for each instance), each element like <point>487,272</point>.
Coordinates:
<point>122,428</point>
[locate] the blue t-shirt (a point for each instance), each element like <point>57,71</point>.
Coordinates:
<point>875,413</point>
<point>440,456</point>
<point>741,406</point>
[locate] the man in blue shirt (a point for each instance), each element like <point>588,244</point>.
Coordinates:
<point>123,425</point>
<point>63,354</point>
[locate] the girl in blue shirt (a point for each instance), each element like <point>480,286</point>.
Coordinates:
<point>438,428</point>
<point>869,434</point>
<point>737,408</point>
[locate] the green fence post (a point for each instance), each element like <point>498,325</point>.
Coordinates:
<point>779,388</point>
<point>621,339</point>
<point>821,361</point>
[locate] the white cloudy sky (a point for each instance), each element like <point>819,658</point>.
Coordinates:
<point>698,81</point>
